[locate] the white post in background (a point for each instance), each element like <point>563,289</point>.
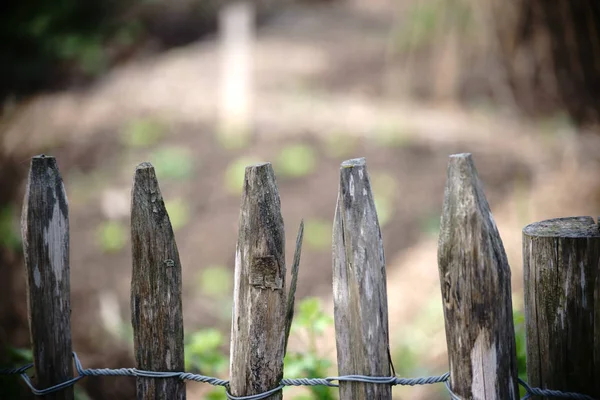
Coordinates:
<point>236,34</point>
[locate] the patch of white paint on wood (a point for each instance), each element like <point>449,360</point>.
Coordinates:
<point>483,363</point>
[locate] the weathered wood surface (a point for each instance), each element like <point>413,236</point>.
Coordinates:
<point>476,290</point>
<point>259,309</point>
<point>561,259</point>
<point>45,232</point>
<point>156,308</point>
<point>359,286</point>
<point>291,299</point>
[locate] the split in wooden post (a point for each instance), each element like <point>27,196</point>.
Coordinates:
<point>45,232</point>
<point>259,302</point>
<point>561,266</point>
<point>359,286</point>
<point>476,290</point>
<point>156,307</point>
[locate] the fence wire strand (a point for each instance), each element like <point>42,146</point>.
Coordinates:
<point>329,381</point>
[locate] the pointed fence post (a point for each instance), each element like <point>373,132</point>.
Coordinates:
<point>359,286</point>
<point>476,290</point>
<point>259,299</point>
<point>561,259</point>
<point>156,307</point>
<point>45,231</point>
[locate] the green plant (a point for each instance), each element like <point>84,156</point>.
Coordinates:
<point>203,354</point>
<point>178,212</point>
<point>143,132</point>
<point>310,322</point>
<point>215,280</point>
<point>112,236</point>
<point>296,161</point>
<point>173,162</point>
<point>339,145</point>
<point>521,342</point>
<point>317,234</point>
<point>9,234</point>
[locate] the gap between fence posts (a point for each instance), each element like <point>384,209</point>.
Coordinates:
<point>259,299</point>
<point>476,290</point>
<point>359,286</point>
<point>561,259</point>
<point>156,306</point>
<point>45,232</point>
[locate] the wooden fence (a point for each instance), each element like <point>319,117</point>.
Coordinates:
<point>561,275</point>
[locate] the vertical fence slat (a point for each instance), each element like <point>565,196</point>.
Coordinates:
<point>476,290</point>
<point>561,260</point>
<point>45,231</point>
<point>156,306</point>
<point>359,285</point>
<point>259,308</point>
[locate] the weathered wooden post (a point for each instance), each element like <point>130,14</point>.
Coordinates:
<point>156,308</point>
<point>476,290</point>
<point>259,299</point>
<point>45,231</point>
<point>561,259</point>
<point>359,286</point>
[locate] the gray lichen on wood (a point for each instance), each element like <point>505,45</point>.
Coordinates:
<point>156,307</point>
<point>359,285</point>
<point>45,232</point>
<point>561,259</point>
<point>476,290</point>
<point>259,310</point>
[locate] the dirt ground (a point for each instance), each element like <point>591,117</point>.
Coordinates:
<point>318,76</point>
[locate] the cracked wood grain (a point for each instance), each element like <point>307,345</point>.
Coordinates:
<point>45,232</point>
<point>156,306</point>
<point>476,290</point>
<point>561,260</point>
<point>260,301</point>
<point>359,286</point>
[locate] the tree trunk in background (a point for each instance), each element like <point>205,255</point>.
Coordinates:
<point>551,52</point>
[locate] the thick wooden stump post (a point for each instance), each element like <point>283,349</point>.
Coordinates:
<point>156,308</point>
<point>45,231</point>
<point>259,308</point>
<point>359,286</point>
<point>561,259</point>
<point>475,281</point>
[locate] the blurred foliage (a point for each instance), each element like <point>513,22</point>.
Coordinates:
<point>230,139</point>
<point>340,145</point>
<point>9,233</point>
<point>295,161</point>
<point>178,211</point>
<point>203,355</point>
<point>317,234</point>
<point>234,175</point>
<point>384,187</point>
<point>11,386</point>
<point>143,132</point>
<point>112,236</point>
<point>43,40</point>
<point>310,323</point>
<point>424,19</point>
<point>173,162</point>
<point>519,320</point>
<point>215,280</point>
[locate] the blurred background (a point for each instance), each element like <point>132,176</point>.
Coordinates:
<point>203,88</point>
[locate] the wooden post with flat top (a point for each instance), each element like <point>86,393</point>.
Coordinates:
<point>561,259</point>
